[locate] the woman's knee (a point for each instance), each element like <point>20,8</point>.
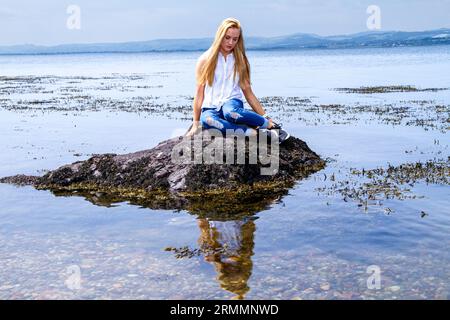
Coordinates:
<point>211,121</point>
<point>233,110</point>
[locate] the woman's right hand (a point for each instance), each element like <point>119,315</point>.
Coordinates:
<point>194,128</point>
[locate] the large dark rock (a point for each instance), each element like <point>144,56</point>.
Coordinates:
<point>153,179</point>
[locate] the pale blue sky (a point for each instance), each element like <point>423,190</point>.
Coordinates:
<point>44,21</point>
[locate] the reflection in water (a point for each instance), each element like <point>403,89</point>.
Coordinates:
<point>228,245</point>
<point>226,228</point>
<point>228,205</point>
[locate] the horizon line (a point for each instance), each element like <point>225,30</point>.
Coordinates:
<point>212,37</point>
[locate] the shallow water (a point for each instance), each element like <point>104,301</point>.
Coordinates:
<point>313,243</point>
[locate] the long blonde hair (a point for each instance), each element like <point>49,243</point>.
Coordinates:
<point>241,66</point>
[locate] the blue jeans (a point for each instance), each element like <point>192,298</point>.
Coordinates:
<point>232,115</point>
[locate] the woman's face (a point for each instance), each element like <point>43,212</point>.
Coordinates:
<point>230,40</point>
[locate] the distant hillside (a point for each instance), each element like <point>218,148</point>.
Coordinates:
<point>294,41</point>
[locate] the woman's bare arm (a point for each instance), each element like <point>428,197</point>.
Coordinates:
<point>198,100</point>
<point>252,100</point>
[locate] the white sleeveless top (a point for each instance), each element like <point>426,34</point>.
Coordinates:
<point>223,88</point>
